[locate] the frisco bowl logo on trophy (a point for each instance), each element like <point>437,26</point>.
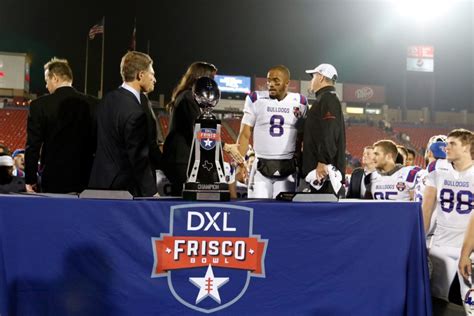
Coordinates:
<point>208,138</point>
<point>209,255</point>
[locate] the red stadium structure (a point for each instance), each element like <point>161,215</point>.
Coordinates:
<point>13,128</point>
<point>13,133</point>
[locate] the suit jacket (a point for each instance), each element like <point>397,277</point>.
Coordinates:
<point>122,159</point>
<point>155,152</point>
<point>355,184</point>
<point>61,134</point>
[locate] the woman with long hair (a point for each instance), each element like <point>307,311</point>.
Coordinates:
<point>184,111</point>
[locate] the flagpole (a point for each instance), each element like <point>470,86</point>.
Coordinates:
<point>133,42</point>
<point>102,65</point>
<point>135,33</point>
<point>87,64</point>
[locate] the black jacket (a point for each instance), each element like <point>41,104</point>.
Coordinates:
<point>177,147</point>
<point>15,185</point>
<point>324,133</point>
<point>122,159</point>
<point>354,191</point>
<point>61,134</point>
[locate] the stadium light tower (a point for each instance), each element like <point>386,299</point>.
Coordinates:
<point>417,17</point>
<point>421,10</point>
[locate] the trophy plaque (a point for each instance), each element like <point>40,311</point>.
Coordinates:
<point>206,180</point>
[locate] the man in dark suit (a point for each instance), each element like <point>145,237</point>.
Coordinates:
<point>60,134</point>
<point>357,185</point>
<point>124,137</point>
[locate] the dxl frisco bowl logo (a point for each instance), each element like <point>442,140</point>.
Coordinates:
<point>208,137</point>
<point>209,255</point>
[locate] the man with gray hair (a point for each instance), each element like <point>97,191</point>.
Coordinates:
<point>122,159</point>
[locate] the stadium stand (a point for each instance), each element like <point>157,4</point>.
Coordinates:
<point>359,136</point>
<point>13,134</point>
<point>13,128</point>
<point>227,138</point>
<point>164,124</point>
<point>419,136</point>
<point>234,124</point>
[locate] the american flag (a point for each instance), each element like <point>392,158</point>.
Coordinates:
<point>96,29</point>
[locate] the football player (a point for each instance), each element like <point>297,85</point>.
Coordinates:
<point>435,149</point>
<point>391,181</point>
<point>450,193</point>
<point>274,119</point>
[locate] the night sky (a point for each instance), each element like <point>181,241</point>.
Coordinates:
<point>365,40</point>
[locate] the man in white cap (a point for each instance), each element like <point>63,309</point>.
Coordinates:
<point>8,182</point>
<point>324,143</point>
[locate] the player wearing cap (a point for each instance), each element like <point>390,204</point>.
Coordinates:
<point>19,162</point>
<point>8,182</point>
<point>435,149</point>
<point>324,141</point>
<point>274,117</point>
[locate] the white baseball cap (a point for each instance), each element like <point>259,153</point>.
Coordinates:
<point>327,70</point>
<point>6,161</point>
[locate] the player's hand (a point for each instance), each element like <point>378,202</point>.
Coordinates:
<point>321,171</point>
<point>465,268</point>
<point>233,151</point>
<point>31,188</point>
<point>241,174</point>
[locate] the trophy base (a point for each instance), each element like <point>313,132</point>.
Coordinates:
<point>206,192</point>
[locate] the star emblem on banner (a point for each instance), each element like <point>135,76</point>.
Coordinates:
<point>208,286</point>
<point>208,143</point>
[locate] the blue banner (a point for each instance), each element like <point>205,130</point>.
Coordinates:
<point>98,257</point>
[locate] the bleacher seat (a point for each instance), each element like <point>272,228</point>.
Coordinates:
<point>359,136</point>
<point>13,128</point>
<point>419,136</point>
<point>164,124</point>
<point>234,124</point>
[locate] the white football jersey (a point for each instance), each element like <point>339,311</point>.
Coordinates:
<point>420,184</point>
<point>419,192</point>
<point>396,186</point>
<point>274,123</point>
<point>455,201</point>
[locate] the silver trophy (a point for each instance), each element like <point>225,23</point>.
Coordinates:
<point>206,180</point>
